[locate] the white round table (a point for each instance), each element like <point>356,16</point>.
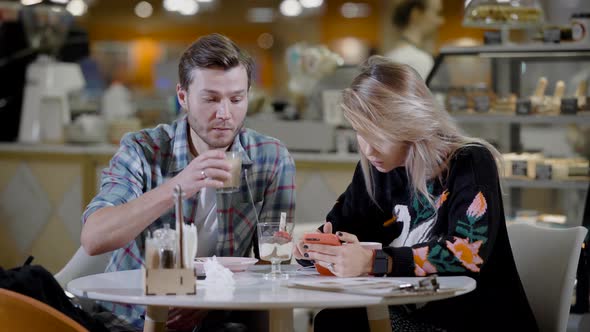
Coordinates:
<point>251,292</point>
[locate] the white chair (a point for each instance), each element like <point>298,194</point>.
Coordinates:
<point>546,260</point>
<point>80,265</point>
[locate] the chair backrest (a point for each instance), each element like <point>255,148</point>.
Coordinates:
<point>22,313</point>
<point>80,265</point>
<point>546,260</point>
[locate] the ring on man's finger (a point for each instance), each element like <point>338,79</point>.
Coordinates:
<point>203,175</point>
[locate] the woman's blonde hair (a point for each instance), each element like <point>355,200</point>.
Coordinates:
<point>389,102</point>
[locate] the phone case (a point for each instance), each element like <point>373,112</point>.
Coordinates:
<point>322,238</point>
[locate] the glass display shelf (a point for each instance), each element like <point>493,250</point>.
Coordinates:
<point>574,184</point>
<point>521,119</point>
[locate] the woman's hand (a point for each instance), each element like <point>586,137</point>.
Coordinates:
<point>347,260</point>
<point>299,251</point>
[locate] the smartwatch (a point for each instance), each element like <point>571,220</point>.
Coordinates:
<point>380,263</point>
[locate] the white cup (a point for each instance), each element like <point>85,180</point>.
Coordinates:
<point>371,245</point>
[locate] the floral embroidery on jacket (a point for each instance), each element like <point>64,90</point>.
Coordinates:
<point>466,252</point>
<point>441,199</point>
<point>458,253</point>
<point>478,207</point>
<point>423,209</point>
<point>423,266</point>
<point>476,210</point>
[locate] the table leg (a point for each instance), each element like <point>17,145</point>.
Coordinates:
<point>379,318</point>
<point>280,320</point>
<point>155,319</point>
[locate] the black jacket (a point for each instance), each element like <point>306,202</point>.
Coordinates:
<point>463,234</point>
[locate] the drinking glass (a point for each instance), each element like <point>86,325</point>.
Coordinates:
<point>232,185</point>
<point>275,245</point>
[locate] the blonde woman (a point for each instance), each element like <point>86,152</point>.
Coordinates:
<point>432,197</point>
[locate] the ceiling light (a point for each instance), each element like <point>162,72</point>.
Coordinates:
<point>30,2</point>
<point>61,2</point>
<point>265,40</point>
<point>77,7</point>
<point>311,3</point>
<point>172,5</point>
<point>144,9</point>
<point>260,15</point>
<point>189,7</point>
<point>204,0</point>
<point>290,8</point>
<point>352,50</point>
<point>355,10</point>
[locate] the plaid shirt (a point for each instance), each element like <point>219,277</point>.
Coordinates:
<point>147,158</point>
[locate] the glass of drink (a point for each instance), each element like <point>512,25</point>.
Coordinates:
<point>232,185</point>
<point>275,244</point>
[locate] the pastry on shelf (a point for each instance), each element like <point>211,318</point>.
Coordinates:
<point>490,13</point>
<point>566,168</point>
<point>521,165</point>
<point>555,104</point>
<point>505,104</point>
<point>580,94</point>
<point>539,101</point>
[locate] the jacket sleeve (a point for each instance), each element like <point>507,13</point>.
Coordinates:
<point>473,213</point>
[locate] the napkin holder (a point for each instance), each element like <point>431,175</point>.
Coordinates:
<point>157,280</point>
<point>171,280</point>
<point>175,281</point>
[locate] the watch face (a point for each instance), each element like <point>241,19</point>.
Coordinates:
<point>381,263</point>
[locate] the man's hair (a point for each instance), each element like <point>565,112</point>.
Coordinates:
<point>402,12</point>
<point>212,51</point>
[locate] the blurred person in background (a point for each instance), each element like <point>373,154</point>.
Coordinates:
<point>417,22</point>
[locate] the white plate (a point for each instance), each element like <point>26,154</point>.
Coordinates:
<point>235,264</point>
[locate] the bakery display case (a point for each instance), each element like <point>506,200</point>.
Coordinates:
<point>497,13</point>
<point>527,100</point>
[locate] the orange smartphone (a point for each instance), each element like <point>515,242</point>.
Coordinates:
<point>322,238</point>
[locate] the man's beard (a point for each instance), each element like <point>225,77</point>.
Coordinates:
<point>214,143</point>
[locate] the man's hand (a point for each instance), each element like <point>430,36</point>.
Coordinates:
<point>209,169</point>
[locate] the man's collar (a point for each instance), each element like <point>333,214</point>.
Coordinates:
<point>181,154</point>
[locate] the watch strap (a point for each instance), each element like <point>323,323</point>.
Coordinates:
<point>380,263</point>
